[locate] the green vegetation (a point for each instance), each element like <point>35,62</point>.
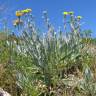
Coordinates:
<point>54,63</point>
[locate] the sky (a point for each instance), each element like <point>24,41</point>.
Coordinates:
<point>84,8</point>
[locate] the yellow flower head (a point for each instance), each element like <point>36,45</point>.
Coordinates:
<point>17,22</point>
<point>65,13</point>
<point>19,13</point>
<point>29,10</point>
<point>79,17</point>
<point>71,12</point>
<point>26,11</point>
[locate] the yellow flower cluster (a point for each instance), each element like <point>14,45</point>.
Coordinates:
<point>26,11</point>
<point>22,12</point>
<point>65,13</point>
<point>79,17</point>
<point>68,13</point>
<point>71,13</point>
<point>19,13</point>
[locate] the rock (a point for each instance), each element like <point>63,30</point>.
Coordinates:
<point>4,93</point>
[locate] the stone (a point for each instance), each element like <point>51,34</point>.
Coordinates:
<point>4,93</point>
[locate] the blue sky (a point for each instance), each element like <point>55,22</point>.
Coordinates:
<point>85,8</point>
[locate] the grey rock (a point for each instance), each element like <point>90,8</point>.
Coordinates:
<point>4,93</point>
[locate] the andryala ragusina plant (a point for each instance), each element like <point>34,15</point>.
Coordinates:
<point>43,63</point>
<point>53,54</point>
